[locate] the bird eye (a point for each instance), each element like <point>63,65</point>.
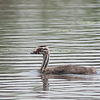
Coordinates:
<point>45,49</point>
<point>41,49</point>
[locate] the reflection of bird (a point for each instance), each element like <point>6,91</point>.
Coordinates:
<point>65,69</point>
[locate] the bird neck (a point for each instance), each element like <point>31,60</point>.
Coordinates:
<point>45,62</point>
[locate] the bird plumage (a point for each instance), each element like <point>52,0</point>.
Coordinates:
<point>65,69</point>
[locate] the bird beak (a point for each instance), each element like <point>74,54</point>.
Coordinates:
<point>34,52</point>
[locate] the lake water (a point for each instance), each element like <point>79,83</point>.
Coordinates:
<point>72,31</point>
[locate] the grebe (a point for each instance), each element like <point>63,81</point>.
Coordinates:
<point>65,69</point>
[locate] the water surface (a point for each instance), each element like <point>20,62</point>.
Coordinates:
<point>69,28</point>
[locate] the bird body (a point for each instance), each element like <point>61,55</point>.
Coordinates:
<point>69,69</point>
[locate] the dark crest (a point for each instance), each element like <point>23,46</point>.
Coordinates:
<point>42,46</point>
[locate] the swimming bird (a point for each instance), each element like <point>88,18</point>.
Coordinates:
<point>64,69</point>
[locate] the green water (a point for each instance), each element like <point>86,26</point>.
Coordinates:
<point>71,29</point>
